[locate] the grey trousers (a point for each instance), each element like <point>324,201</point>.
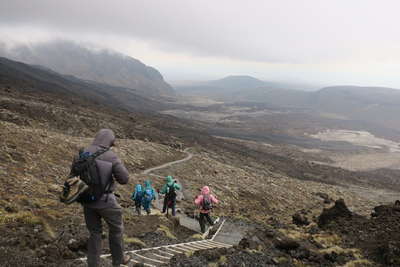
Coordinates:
<point>113,217</point>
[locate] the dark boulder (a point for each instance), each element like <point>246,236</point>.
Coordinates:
<point>381,210</point>
<point>386,210</point>
<point>286,244</point>
<point>251,243</point>
<point>339,210</point>
<point>390,253</point>
<point>300,219</point>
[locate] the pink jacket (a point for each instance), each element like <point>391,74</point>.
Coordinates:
<point>199,199</point>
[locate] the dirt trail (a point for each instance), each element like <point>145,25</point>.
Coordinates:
<point>166,165</point>
<point>184,220</point>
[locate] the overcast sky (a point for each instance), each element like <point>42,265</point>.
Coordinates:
<point>328,42</point>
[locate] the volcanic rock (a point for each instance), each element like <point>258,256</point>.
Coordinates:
<point>339,210</point>
<point>300,219</point>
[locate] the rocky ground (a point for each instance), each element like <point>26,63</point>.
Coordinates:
<point>377,236</point>
<point>337,237</point>
<point>263,188</point>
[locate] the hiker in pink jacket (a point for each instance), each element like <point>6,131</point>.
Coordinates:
<point>205,202</point>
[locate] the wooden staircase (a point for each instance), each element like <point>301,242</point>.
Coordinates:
<point>157,256</point>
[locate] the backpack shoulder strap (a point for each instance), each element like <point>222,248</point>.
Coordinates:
<point>107,187</point>
<point>99,152</point>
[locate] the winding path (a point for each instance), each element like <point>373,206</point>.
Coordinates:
<point>184,220</point>
<point>180,195</point>
<point>166,165</point>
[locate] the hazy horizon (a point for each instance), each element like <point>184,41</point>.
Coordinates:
<point>313,42</point>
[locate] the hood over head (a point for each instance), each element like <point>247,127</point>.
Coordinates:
<point>138,188</point>
<point>205,190</point>
<point>169,179</point>
<point>147,183</point>
<point>104,138</point>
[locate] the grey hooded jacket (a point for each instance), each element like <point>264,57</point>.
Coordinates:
<point>109,166</point>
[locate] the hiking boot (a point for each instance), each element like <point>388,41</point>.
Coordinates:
<point>125,261</point>
<point>216,221</point>
<point>139,211</point>
<point>206,232</point>
<point>73,187</point>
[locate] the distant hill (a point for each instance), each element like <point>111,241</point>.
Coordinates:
<point>238,88</point>
<point>377,105</point>
<point>352,97</point>
<point>219,89</point>
<point>102,66</point>
<point>380,105</point>
<point>35,79</point>
<point>237,82</point>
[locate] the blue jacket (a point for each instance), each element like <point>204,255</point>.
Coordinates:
<point>147,185</point>
<point>138,189</point>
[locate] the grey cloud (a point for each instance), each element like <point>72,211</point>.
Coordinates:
<point>300,31</point>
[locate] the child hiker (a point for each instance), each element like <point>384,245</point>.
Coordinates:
<point>148,196</point>
<point>169,189</point>
<point>137,196</point>
<point>205,202</point>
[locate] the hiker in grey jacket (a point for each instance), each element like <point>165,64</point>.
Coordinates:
<point>107,207</point>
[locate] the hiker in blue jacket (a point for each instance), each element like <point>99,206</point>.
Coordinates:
<point>137,196</point>
<point>149,195</point>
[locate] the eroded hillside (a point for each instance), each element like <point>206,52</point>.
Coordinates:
<point>103,66</point>
<point>41,131</point>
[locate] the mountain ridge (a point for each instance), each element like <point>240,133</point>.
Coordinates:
<point>104,66</point>
<point>234,83</point>
<point>361,103</point>
<point>237,82</point>
<point>33,79</point>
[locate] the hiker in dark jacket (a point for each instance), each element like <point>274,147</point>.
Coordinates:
<point>205,201</point>
<point>107,207</point>
<point>169,189</point>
